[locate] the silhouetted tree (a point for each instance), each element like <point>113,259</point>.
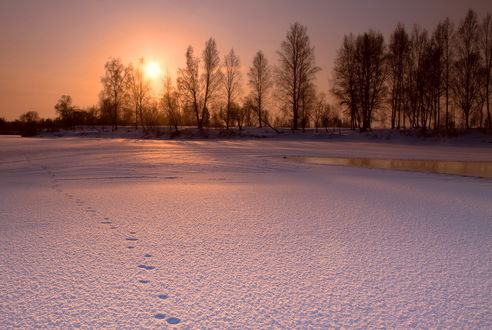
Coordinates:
<point>29,117</point>
<point>360,77</point>
<point>189,85</point>
<point>65,110</point>
<point>244,112</point>
<point>466,85</point>
<point>326,117</point>
<point>296,69</point>
<point>211,77</point>
<point>3,124</point>
<point>151,116</point>
<point>232,84</point>
<point>426,68</point>
<point>437,58</point>
<point>416,77</point>
<point>115,86</point>
<point>29,122</point>
<point>260,83</point>
<point>398,52</point>
<point>345,83</point>
<point>198,91</point>
<point>486,51</point>
<point>428,71</point>
<point>369,54</point>
<point>307,103</point>
<point>444,31</point>
<point>139,91</point>
<point>170,103</point>
<point>94,113</point>
<point>320,111</point>
<point>106,110</point>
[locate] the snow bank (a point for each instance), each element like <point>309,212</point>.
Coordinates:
<point>472,137</point>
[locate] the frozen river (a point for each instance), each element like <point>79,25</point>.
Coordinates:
<point>230,234</point>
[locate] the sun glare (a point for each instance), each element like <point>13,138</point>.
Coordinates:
<point>152,70</point>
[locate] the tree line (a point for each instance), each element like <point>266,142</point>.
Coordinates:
<point>208,90</point>
<point>436,80</point>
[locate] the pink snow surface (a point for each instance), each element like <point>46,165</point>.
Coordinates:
<point>101,233</point>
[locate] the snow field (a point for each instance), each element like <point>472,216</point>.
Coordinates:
<point>239,237</point>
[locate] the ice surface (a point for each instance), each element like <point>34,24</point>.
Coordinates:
<point>239,237</point>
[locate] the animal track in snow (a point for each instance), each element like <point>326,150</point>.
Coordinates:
<point>88,209</point>
<point>146,267</point>
<point>173,320</point>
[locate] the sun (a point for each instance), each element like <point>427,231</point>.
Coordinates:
<point>152,70</point>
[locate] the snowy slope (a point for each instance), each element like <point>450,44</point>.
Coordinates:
<point>228,234</point>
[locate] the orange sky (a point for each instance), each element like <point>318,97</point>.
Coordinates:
<point>50,48</point>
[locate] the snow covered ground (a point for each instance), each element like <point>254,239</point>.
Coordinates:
<point>228,234</point>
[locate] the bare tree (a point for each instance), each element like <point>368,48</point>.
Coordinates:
<point>170,102</point>
<point>439,58</point>
<point>260,82</point>
<point>115,86</point>
<point>416,76</point>
<point>307,103</point>
<point>466,87</point>
<point>321,111</point>
<point>428,69</point>
<point>370,55</point>
<point>151,115</point>
<point>189,85</point>
<point>444,33</point>
<point>486,50</point>
<point>211,77</point>
<point>232,84</point>
<point>29,122</point>
<point>398,53</point>
<point>29,117</point>
<point>140,91</point>
<point>360,77</point>
<point>297,67</point>
<point>65,110</point>
<point>345,83</point>
<point>243,112</point>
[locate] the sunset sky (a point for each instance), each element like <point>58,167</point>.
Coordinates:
<point>50,48</point>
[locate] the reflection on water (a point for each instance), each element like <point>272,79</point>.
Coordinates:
<point>477,169</point>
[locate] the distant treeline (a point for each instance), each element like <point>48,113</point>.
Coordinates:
<point>437,80</point>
